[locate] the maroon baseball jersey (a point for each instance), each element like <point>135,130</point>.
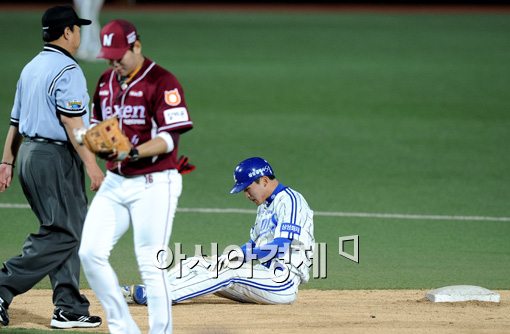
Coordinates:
<point>152,102</point>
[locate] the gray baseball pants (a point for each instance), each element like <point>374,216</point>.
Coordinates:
<point>53,182</point>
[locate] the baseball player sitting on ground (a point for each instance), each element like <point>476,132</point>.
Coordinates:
<point>283,227</point>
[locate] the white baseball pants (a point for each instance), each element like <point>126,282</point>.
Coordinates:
<point>245,284</point>
<point>149,203</point>
<point>90,43</point>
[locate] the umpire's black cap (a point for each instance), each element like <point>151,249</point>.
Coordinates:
<point>61,16</point>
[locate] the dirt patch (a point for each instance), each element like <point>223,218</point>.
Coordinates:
<point>365,311</point>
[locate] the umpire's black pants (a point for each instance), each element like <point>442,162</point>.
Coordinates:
<point>53,181</point>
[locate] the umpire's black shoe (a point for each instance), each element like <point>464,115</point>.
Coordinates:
<point>4,316</point>
<point>63,319</point>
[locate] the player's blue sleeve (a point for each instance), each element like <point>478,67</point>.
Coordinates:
<point>280,244</point>
<point>243,247</point>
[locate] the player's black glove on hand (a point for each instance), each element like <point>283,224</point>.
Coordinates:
<point>106,155</point>
<point>133,155</point>
<point>183,166</point>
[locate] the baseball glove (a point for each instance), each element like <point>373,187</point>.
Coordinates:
<point>107,141</point>
<point>183,165</point>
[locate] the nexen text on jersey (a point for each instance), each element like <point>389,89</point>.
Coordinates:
<point>133,112</point>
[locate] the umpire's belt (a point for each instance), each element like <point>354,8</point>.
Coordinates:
<point>46,141</point>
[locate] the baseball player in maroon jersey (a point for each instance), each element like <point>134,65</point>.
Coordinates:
<point>144,188</point>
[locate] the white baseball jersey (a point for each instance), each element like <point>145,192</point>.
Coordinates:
<point>284,216</point>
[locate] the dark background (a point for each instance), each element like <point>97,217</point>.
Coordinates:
<point>352,3</point>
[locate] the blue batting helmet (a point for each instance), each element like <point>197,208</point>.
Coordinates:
<point>250,170</point>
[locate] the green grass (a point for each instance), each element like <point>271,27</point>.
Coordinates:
<point>359,112</point>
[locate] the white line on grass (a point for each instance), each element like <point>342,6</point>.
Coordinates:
<point>321,213</point>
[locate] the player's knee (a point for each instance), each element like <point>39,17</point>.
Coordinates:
<point>91,256</point>
<point>151,258</point>
<point>278,300</point>
<point>289,299</point>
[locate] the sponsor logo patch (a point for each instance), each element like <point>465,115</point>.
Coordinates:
<point>291,228</point>
<point>128,121</point>
<point>176,115</point>
<point>74,105</point>
<point>104,93</point>
<point>172,97</point>
<point>131,37</point>
<point>136,93</point>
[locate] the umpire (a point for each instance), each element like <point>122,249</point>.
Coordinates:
<point>51,100</point>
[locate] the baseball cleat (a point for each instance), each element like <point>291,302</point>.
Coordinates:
<point>134,294</point>
<point>4,316</point>
<point>63,319</point>
<point>127,294</point>
<point>139,294</point>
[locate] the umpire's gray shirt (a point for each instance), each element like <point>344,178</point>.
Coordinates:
<point>50,84</point>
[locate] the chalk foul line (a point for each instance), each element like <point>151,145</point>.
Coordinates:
<point>321,213</point>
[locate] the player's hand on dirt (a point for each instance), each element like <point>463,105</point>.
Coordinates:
<point>223,262</point>
<point>219,263</point>
<point>96,176</point>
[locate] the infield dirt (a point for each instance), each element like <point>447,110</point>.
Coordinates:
<point>316,311</point>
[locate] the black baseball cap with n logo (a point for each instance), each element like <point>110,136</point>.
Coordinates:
<point>61,16</point>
